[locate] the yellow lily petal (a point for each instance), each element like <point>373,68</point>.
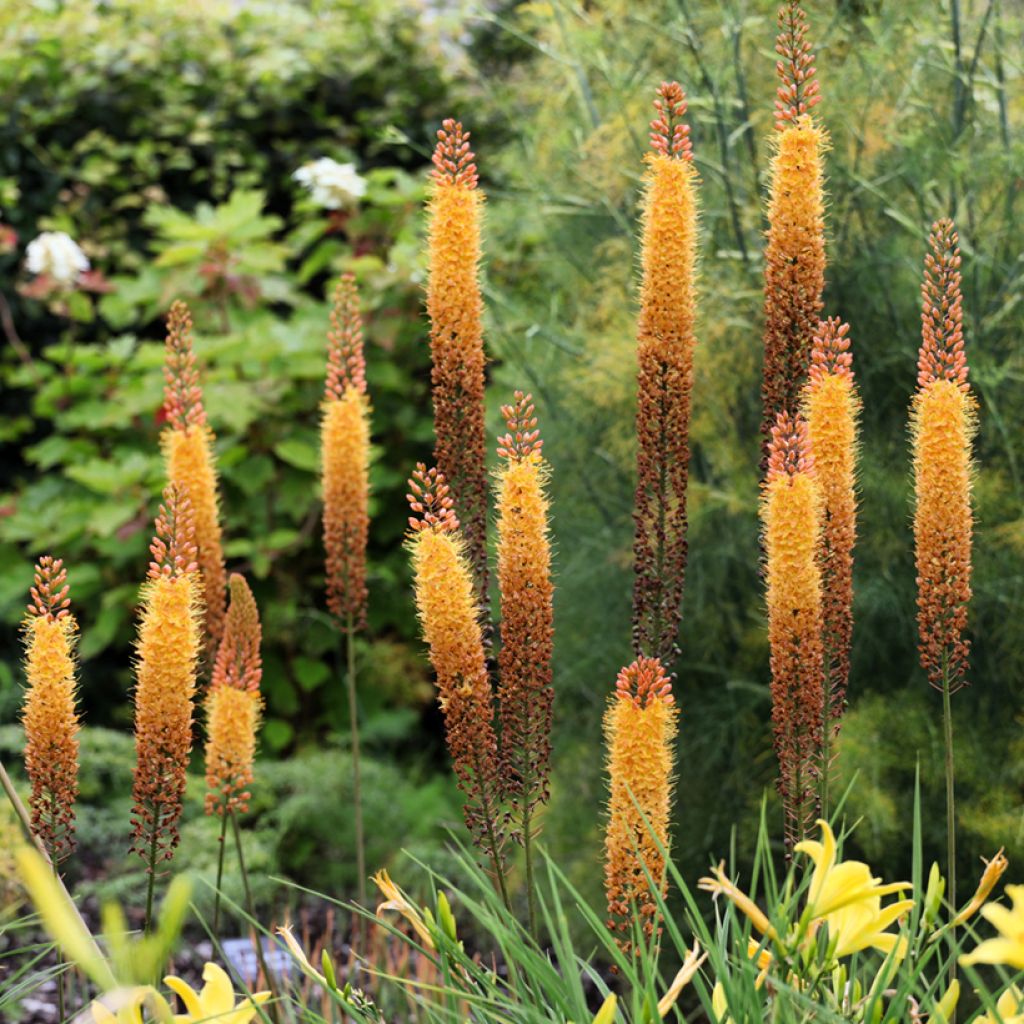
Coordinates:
<point>218,995</point>
<point>996,951</point>
<point>694,958</point>
<point>607,1012</point>
<point>187,994</point>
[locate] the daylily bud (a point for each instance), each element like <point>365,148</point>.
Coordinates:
<point>994,869</point>
<point>445,917</point>
<point>332,978</point>
<point>607,1012</point>
<point>933,894</point>
<point>947,1004</point>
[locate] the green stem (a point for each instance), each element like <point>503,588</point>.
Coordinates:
<point>826,741</point>
<point>251,904</point>
<point>151,886</point>
<point>947,717</point>
<point>531,893</point>
<point>220,872</point>
<point>61,1005</point>
<point>357,791</point>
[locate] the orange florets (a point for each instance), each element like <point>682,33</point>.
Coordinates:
<point>790,512</point>
<point>831,408</point>
<point>455,308</point>
<point>794,273</point>
<point>527,630</point>
<point>640,730</point>
<point>187,444</point>
<point>167,652</point>
<point>233,705</point>
<point>942,431</point>
<point>665,344</point>
<point>450,618</point>
<point>49,714</point>
<point>345,446</point>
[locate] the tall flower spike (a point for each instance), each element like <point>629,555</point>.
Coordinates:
<point>167,652</point>
<point>942,432</point>
<point>798,89</point>
<point>450,619</point>
<point>640,730</point>
<point>345,455</point>
<point>455,308</point>
<point>527,623</point>
<point>665,344</point>
<point>790,513</point>
<point>794,258</point>
<point>49,714</point>
<point>233,705</point>
<point>831,407</point>
<point>187,444</point>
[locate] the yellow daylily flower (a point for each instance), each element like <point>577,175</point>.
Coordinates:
<point>1008,948</point>
<point>127,1006</point>
<point>691,964</point>
<point>719,884</point>
<point>1009,1006</point>
<point>216,1001</point>
<point>396,901</point>
<point>994,869</point>
<point>846,897</point>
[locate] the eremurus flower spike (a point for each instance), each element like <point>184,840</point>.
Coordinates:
<point>798,91</point>
<point>831,408</point>
<point>450,619</point>
<point>790,514</point>
<point>345,457</point>
<point>233,704</point>
<point>527,624</point>
<point>640,731</point>
<point>665,345</point>
<point>187,443</point>
<point>167,652</point>
<point>455,309</point>
<point>794,257</point>
<point>49,713</point>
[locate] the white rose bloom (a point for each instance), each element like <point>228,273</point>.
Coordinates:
<point>58,255</point>
<point>332,185</point>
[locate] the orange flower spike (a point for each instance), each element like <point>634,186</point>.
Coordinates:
<point>49,714</point>
<point>665,344</point>
<point>790,513</point>
<point>455,308</point>
<point>942,432</point>
<point>450,619</point>
<point>527,623</point>
<point>640,730</point>
<point>187,444</point>
<point>234,705</point>
<point>167,653</point>
<point>794,274</point>
<point>345,446</point>
<point>832,407</point>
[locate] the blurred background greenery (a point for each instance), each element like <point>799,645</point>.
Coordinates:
<point>163,138</point>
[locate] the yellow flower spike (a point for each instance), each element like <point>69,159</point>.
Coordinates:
<point>719,884</point>
<point>396,901</point>
<point>994,870</point>
<point>216,1000</point>
<point>691,964</point>
<point>1008,948</point>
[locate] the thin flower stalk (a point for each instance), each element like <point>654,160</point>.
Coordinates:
<point>831,408</point>
<point>942,426</point>
<point>640,726</point>
<point>527,626</point>
<point>665,344</point>
<point>791,519</point>
<point>49,714</point>
<point>794,258</point>
<point>345,445</point>
<point>167,653</point>
<point>187,442</point>
<point>450,619</point>
<point>455,309</point>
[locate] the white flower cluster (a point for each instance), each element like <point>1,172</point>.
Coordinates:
<point>332,185</point>
<point>57,255</point>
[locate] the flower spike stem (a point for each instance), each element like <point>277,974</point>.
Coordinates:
<point>251,906</point>
<point>220,873</point>
<point>357,789</point>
